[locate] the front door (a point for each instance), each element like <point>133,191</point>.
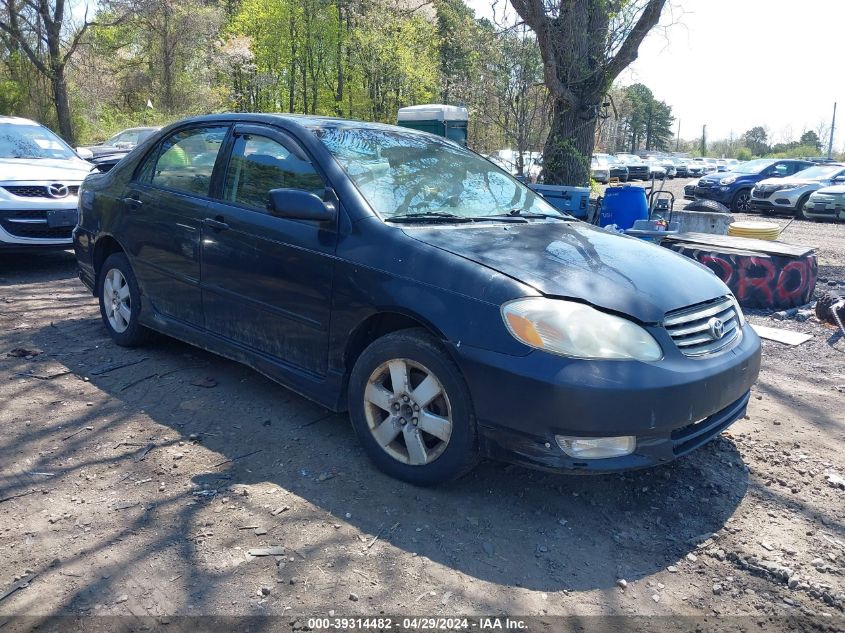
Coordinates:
<point>266,280</point>
<point>164,207</point>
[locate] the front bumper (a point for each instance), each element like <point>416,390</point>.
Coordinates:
<point>715,193</point>
<point>672,406</point>
<point>835,211</point>
<point>786,201</point>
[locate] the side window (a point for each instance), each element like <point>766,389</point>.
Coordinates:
<point>260,164</point>
<point>779,170</point>
<point>185,160</point>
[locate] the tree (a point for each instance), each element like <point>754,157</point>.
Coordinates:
<point>40,31</point>
<point>756,139</point>
<point>810,138</point>
<point>585,45</point>
<point>516,103</point>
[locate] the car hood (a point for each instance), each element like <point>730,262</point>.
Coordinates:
<point>835,190</point>
<point>717,176</point>
<point>26,169</point>
<point>789,181</point>
<point>575,260</point>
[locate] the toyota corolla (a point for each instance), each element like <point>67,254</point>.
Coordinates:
<point>397,276</point>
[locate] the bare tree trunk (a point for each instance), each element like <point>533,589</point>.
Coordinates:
<point>62,103</point>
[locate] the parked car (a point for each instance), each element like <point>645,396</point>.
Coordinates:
<point>826,204</point>
<point>669,165</point>
<point>394,274</point>
<point>689,190</point>
<point>731,163</point>
<point>733,189</point>
<point>790,194</point>
<point>637,167</point>
<point>710,165</point>
<point>617,168</point>
<point>599,170</point>
<point>695,168</point>
<point>655,168</point>
<point>39,181</point>
<point>122,141</point>
<point>681,170</point>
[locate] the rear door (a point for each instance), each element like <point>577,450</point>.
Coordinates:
<point>267,280</point>
<point>164,207</point>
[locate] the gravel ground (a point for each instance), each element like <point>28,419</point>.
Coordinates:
<point>143,489</point>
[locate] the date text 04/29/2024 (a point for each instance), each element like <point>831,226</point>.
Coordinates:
<point>417,623</point>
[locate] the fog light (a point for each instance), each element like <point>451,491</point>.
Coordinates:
<point>597,447</point>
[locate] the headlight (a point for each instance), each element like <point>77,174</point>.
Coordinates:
<point>728,181</point>
<point>788,187</point>
<point>577,330</point>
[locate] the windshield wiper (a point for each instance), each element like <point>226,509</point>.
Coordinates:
<point>427,216</point>
<point>518,214</point>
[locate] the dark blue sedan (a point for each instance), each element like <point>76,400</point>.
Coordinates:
<point>733,188</point>
<point>403,278</point>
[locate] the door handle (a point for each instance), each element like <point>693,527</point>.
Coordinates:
<point>216,223</point>
<point>133,203</point>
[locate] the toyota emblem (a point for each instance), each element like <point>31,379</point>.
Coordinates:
<point>716,327</point>
<point>57,190</point>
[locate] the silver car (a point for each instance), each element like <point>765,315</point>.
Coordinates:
<point>826,204</point>
<point>789,195</point>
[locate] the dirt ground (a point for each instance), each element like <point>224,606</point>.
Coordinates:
<point>141,489</point>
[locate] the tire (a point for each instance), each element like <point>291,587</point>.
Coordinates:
<point>702,204</point>
<point>415,357</point>
<point>799,209</point>
<point>741,202</point>
<point>120,315</point>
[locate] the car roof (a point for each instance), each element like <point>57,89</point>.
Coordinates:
<point>16,120</point>
<point>299,120</point>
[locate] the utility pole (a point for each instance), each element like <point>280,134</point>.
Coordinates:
<point>678,137</point>
<point>832,130</point>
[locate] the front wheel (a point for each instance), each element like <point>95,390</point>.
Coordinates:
<point>411,409</point>
<point>120,302</point>
<point>799,209</point>
<point>742,201</point>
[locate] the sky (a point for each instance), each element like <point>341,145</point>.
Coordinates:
<point>736,64</point>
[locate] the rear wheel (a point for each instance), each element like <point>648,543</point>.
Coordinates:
<point>741,201</point>
<point>411,409</point>
<point>120,302</point>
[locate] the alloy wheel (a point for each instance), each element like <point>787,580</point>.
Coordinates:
<point>408,412</point>
<point>117,300</point>
<point>743,202</point>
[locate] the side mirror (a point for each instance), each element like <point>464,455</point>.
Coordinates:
<point>84,153</point>
<point>297,204</point>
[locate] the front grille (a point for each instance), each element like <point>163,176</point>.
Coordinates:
<point>761,193</point>
<point>692,329</point>
<point>36,191</point>
<point>33,223</point>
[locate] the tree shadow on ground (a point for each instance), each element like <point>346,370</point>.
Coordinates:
<point>499,524</point>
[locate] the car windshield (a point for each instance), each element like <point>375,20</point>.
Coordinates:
<point>31,141</point>
<point>820,172</point>
<point>413,174</point>
<point>754,166</point>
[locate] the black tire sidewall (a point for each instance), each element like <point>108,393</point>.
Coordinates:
<point>135,334</point>
<point>735,201</point>
<point>461,453</point>
<point>799,212</point>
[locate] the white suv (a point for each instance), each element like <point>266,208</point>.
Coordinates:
<point>39,182</point>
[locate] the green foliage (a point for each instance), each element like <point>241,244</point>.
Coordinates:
<point>795,151</point>
<point>756,139</point>
<point>644,123</point>
<point>743,153</point>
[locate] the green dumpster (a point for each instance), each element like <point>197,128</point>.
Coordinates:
<point>444,120</point>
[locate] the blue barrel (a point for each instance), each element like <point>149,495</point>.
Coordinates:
<point>623,206</point>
